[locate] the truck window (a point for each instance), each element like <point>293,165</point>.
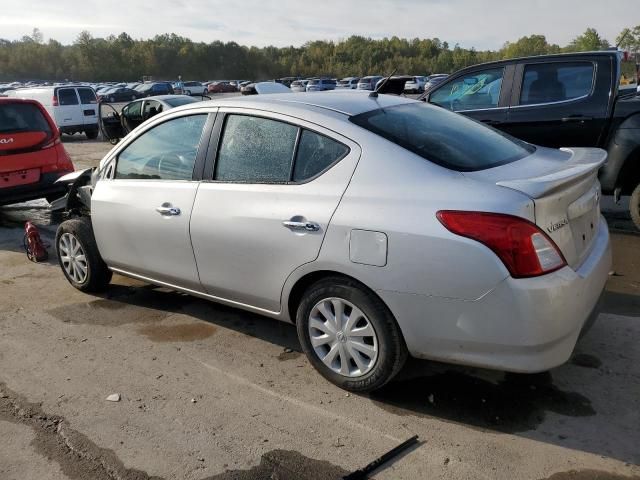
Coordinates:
<point>556,82</point>
<point>475,91</point>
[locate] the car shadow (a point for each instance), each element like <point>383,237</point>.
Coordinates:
<point>553,407</point>
<point>149,297</point>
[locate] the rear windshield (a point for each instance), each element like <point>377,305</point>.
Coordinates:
<point>22,117</point>
<point>176,102</point>
<point>443,137</point>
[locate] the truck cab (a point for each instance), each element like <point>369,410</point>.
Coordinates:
<point>564,100</point>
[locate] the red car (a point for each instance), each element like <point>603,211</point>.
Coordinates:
<point>221,87</point>
<point>32,157</point>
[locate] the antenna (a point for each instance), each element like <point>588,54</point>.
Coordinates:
<point>374,94</point>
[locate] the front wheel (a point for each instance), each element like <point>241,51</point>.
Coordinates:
<point>634,206</point>
<point>349,335</point>
<point>79,257</point>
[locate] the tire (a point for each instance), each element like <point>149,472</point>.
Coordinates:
<point>91,134</point>
<point>96,275</point>
<point>373,370</point>
<point>634,206</point>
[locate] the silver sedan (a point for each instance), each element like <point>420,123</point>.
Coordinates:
<point>381,226</point>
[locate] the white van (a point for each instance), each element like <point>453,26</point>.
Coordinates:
<point>74,108</point>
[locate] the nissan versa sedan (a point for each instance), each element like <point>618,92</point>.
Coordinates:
<point>380,226</point>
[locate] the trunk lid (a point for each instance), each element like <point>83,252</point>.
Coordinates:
<point>563,185</point>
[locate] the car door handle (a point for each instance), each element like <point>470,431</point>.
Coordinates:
<point>304,226</point>
<point>576,118</point>
<point>167,210</point>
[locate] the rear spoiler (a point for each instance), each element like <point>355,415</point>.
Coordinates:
<point>582,163</point>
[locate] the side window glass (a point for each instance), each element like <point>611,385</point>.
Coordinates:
<point>166,152</point>
<point>67,96</point>
<point>87,96</point>
<point>133,110</point>
<point>315,154</point>
<point>555,82</point>
<point>476,91</point>
<point>151,108</point>
<point>255,149</point>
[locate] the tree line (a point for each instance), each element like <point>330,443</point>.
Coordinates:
<point>122,58</point>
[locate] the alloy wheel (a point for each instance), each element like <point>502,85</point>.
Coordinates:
<point>342,337</point>
<point>73,258</point>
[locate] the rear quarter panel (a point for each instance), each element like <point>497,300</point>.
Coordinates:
<point>398,193</point>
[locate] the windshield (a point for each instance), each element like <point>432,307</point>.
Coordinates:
<point>446,138</point>
<point>176,102</point>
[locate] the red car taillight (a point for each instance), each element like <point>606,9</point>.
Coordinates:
<point>54,101</point>
<point>524,249</point>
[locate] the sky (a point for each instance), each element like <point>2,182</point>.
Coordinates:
<point>471,23</point>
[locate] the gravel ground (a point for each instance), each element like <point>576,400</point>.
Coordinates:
<point>209,392</point>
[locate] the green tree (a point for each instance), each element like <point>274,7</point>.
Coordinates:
<point>590,40</point>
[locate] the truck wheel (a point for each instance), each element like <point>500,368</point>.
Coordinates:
<point>349,335</point>
<point>91,134</point>
<point>78,256</point>
<point>634,206</point>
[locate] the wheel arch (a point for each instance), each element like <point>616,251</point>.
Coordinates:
<point>293,296</point>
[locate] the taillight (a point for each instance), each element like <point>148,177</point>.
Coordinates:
<point>524,249</point>
<point>54,101</point>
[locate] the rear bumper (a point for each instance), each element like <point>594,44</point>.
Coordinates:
<point>44,187</point>
<point>523,325</point>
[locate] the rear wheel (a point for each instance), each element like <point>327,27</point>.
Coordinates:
<point>349,335</point>
<point>634,206</point>
<point>78,256</point>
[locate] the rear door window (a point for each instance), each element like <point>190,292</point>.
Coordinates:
<point>453,141</point>
<point>475,91</point>
<point>67,96</point>
<point>87,96</point>
<point>556,82</point>
<point>255,150</point>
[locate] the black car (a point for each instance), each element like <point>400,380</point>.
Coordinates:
<point>121,94</point>
<point>155,88</point>
<point>564,100</point>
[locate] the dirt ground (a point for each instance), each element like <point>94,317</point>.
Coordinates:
<point>209,392</point>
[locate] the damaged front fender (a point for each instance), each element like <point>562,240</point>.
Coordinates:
<point>79,190</point>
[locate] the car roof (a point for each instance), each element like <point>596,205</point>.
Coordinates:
<point>163,97</point>
<point>345,102</point>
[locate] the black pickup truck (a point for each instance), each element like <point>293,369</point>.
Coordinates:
<point>566,100</point>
